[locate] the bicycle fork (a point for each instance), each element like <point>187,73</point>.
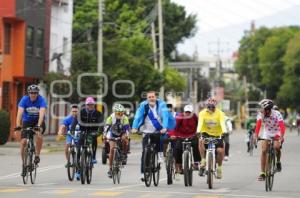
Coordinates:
<point>211,149</point>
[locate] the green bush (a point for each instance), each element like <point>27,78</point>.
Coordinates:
<point>4,126</point>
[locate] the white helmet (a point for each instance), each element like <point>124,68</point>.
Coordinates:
<point>266,104</point>
<point>118,108</point>
<point>188,108</point>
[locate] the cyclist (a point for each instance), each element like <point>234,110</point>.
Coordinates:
<point>117,125</point>
<point>186,126</point>
<point>89,120</point>
<point>273,127</point>
<point>211,124</point>
<point>228,124</point>
<point>66,126</point>
<point>152,117</point>
<point>250,125</point>
<point>31,113</point>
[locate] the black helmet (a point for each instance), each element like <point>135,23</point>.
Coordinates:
<point>266,104</point>
<point>33,89</point>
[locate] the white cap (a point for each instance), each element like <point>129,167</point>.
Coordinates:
<point>188,108</point>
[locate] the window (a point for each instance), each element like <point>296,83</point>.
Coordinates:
<point>29,40</point>
<point>65,46</point>
<point>7,38</point>
<point>39,42</point>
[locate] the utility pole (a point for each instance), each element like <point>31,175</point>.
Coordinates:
<point>246,98</point>
<point>161,43</point>
<point>153,35</point>
<point>100,49</point>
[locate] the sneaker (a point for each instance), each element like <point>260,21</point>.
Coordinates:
<point>160,157</point>
<point>37,159</point>
<point>278,166</point>
<point>94,161</point>
<point>68,164</point>
<point>77,176</point>
<point>261,177</point>
<point>109,173</point>
<point>219,172</point>
<point>226,158</point>
<point>23,174</point>
<point>196,166</point>
<point>142,177</point>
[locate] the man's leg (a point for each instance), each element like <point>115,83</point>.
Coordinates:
<point>94,148</point>
<point>39,144</point>
<point>144,143</point>
<point>277,146</point>
<point>263,158</point>
<point>110,159</point>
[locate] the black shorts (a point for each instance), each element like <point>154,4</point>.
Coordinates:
<point>220,143</point>
<point>32,124</point>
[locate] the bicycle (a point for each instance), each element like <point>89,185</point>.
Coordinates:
<point>271,168</point>
<point>251,143</point>
<point>86,165</point>
<point>72,160</point>
<point>170,162</point>
<point>210,168</point>
<point>151,165</point>
<point>118,157</point>
<point>29,154</point>
<point>187,161</point>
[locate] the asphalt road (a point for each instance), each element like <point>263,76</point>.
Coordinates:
<point>239,177</point>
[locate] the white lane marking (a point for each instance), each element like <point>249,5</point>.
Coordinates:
<point>40,170</point>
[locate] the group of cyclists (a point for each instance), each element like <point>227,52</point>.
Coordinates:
<point>153,118</point>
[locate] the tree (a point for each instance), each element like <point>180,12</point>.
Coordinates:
<point>270,59</point>
<point>289,94</point>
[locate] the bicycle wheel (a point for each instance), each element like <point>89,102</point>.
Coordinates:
<point>268,173</point>
<point>169,167</point>
<point>115,166</point>
<point>89,168</point>
<point>272,171</point>
<point>147,167</point>
<point>71,163</point>
<point>190,175</point>
<point>155,169</point>
<point>33,167</point>
<point>186,169</point>
<point>251,146</point>
<point>210,173</point>
<point>26,165</point>
<point>83,167</point>
<point>104,153</point>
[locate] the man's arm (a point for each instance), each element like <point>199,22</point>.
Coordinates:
<point>19,116</point>
<point>42,114</point>
<point>62,129</point>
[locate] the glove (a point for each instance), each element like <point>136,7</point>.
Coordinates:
<point>163,131</point>
<point>37,128</point>
<point>18,128</point>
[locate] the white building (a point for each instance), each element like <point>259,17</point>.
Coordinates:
<point>61,36</point>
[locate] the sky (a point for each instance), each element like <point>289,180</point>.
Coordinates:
<point>224,22</point>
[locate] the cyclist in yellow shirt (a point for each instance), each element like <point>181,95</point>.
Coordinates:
<point>211,124</point>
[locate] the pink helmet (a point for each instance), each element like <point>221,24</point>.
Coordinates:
<point>89,100</point>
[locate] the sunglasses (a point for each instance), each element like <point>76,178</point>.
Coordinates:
<point>33,93</point>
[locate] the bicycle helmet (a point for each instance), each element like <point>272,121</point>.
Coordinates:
<point>118,108</point>
<point>266,104</point>
<point>188,108</point>
<point>33,89</point>
<point>275,107</point>
<point>89,100</point>
<point>211,101</point>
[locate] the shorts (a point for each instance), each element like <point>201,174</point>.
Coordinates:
<point>220,143</point>
<point>267,136</point>
<point>69,139</point>
<point>32,124</point>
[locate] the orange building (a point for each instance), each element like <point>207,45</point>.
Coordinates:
<point>24,48</point>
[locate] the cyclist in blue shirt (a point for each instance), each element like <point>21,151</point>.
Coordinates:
<point>66,127</point>
<point>31,113</point>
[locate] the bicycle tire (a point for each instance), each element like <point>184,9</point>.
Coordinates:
<point>71,163</point>
<point>251,145</point>
<point>186,169</point>
<point>147,167</point>
<point>273,170</point>
<point>25,177</point>
<point>82,167</point>
<point>104,154</point>
<point>89,168</point>
<point>115,166</point>
<point>210,173</point>
<point>33,168</point>
<point>170,167</point>
<point>155,169</point>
